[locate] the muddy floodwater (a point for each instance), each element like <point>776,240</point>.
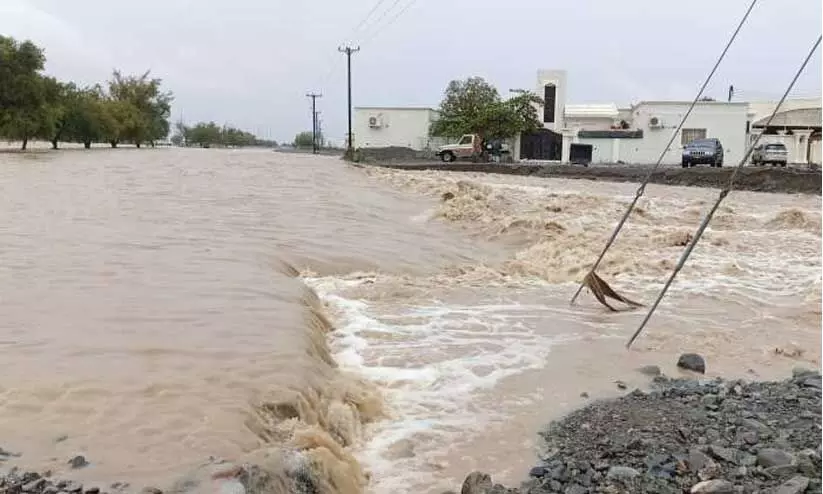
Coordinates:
<point>390,330</point>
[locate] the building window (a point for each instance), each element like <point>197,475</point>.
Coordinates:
<point>689,135</point>
<point>549,102</point>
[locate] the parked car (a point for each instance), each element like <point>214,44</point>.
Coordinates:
<point>469,146</point>
<point>774,153</point>
<point>703,152</point>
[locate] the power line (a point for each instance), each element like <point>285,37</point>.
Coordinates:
<point>723,194</point>
<point>366,18</point>
<point>390,22</point>
<point>642,188</point>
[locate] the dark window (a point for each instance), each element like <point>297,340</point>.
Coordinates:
<point>748,127</point>
<point>549,97</point>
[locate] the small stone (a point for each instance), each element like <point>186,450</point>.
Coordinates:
<point>50,489</point>
<point>728,455</point>
<point>650,370</point>
<point>601,466</point>
<point>698,460</point>
<point>78,461</point>
<point>772,457</point>
<point>622,473</point>
<point>60,439</point>
<point>92,490</point>
<point>34,485</point>
<point>477,483</point>
<point>749,437</point>
<point>782,470</point>
<point>538,472</point>
<point>620,385</point>
<point>576,489</point>
<point>584,394</point>
<point>713,487</point>
<point>73,487</point>
<point>692,362</point>
<point>155,490</point>
<point>796,485</point>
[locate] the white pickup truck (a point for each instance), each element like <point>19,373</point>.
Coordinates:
<point>469,146</point>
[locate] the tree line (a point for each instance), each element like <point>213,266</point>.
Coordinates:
<point>127,108</point>
<point>209,134</point>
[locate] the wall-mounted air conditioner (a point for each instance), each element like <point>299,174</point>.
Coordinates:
<point>375,121</point>
<point>655,122</point>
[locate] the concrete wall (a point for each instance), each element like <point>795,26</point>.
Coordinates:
<point>404,127</point>
<point>589,123</point>
<point>602,149</point>
<point>725,121</point>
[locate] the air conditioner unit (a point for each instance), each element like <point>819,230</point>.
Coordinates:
<point>375,122</point>
<point>655,122</point>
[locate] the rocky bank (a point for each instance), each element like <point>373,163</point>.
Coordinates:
<point>684,436</point>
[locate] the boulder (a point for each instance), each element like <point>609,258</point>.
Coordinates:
<point>796,485</point>
<point>692,362</point>
<point>772,457</point>
<point>477,483</point>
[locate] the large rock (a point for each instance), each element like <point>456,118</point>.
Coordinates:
<point>477,483</point>
<point>772,457</point>
<point>713,487</point>
<point>692,362</point>
<point>796,485</point>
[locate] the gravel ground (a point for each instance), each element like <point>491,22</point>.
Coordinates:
<point>684,436</point>
<point>761,179</point>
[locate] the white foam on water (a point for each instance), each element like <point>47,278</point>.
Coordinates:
<point>433,361</point>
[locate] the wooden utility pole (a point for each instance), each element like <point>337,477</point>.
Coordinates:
<point>314,97</point>
<point>348,50</point>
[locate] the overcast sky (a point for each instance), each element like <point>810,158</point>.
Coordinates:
<point>250,62</point>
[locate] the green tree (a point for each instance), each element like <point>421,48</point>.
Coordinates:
<point>24,92</point>
<point>205,135</point>
<point>88,119</point>
<point>143,109</point>
<point>303,140</point>
<point>474,106</point>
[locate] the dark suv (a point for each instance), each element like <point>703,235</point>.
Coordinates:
<point>703,152</point>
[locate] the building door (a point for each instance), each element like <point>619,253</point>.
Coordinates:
<point>580,153</point>
<point>543,145</point>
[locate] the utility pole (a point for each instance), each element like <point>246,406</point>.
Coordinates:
<point>348,50</point>
<point>319,129</point>
<point>731,93</point>
<point>314,97</point>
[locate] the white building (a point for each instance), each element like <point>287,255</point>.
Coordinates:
<point>797,125</point>
<point>379,127</point>
<point>606,133</point>
<point>650,126</point>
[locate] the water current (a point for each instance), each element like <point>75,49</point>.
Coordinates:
<point>389,331</point>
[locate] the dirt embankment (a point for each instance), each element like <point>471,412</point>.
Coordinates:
<point>767,179</point>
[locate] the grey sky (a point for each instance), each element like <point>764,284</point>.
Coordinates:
<point>250,62</point>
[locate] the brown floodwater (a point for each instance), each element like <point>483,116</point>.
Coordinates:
<point>158,307</point>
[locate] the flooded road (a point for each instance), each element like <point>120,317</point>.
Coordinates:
<point>151,316</point>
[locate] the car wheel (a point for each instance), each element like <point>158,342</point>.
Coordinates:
<point>774,164</point>
<point>447,157</point>
<point>685,164</point>
<point>783,165</point>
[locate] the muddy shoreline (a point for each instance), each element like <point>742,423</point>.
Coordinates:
<point>757,179</point>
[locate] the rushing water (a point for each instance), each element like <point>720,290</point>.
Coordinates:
<point>389,330</point>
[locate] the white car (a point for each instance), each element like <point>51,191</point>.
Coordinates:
<point>774,153</point>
